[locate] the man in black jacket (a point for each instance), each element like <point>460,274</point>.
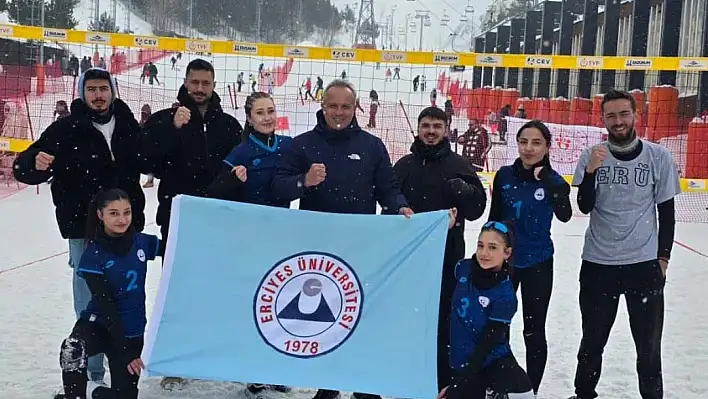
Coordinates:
<point>185,147</point>
<point>93,148</point>
<point>432,178</point>
<point>339,168</point>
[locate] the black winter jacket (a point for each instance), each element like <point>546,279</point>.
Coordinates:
<point>188,159</point>
<point>428,181</point>
<point>83,165</point>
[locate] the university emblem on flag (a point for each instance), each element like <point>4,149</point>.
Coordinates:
<point>308,304</point>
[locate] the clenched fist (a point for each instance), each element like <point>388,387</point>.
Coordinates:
<point>597,155</point>
<point>240,172</point>
<point>182,116</point>
<point>43,161</point>
<point>315,175</point>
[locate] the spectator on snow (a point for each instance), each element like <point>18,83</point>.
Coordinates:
<point>254,81</point>
<point>433,177</point>
<point>416,82</point>
<point>397,73</point>
<point>387,76</point>
<point>449,110</point>
<point>312,156</point>
<point>433,97</point>
<point>146,72</point>
<point>93,148</point>
<point>520,112</point>
<point>308,89</point>
<point>145,113</point>
<point>173,61</point>
<point>504,113</point>
<point>422,83</point>
<point>152,73</point>
<point>102,63</point>
<point>373,109</point>
<point>61,110</point>
<point>373,95</point>
<point>475,145</point>
<point>239,82</point>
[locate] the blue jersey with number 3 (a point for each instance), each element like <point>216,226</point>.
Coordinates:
<point>126,280</point>
<point>527,203</point>
<point>472,309</point>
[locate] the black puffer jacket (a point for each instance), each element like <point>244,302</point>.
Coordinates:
<point>83,165</point>
<point>188,159</point>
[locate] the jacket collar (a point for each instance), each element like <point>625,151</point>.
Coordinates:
<point>330,134</point>
<point>186,100</point>
<point>431,152</point>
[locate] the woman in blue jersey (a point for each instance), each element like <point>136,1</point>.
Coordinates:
<point>249,168</point>
<point>528,194</point>
<point>114,266</point>
<point>483,305</point>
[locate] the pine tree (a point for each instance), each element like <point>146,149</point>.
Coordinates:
<point>105,24</point>
<point>57,13</point>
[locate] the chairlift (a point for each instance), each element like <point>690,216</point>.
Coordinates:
<point>445,19</point>
<point>412,25</point>
<point>427,21</point>
<point>464,19</point>
<point>469,9</point>
<point>401,31</point>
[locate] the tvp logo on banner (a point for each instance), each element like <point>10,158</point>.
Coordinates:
<point>324,301</point>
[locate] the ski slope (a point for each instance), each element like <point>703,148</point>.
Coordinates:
<point>35,280</point>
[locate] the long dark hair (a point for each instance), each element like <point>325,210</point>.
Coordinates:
<point>545,132</point>
<point>94,225</point>
<point>506,232</point>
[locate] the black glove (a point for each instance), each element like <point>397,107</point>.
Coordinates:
<point>459,187</point>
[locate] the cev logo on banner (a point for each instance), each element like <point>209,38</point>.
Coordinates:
<point>98,38</point>
<point>297,52</point>
<point>343,54</point>
<point>198,46</point>
<point>144,41</point>
<point>54,34</point>
<point>590,62</point>
<point>539,61</point>
<point>245,48</point>
<point>489,60</point>
<point>6,30</point>
<point>693,65</point>
<point>393,56</point>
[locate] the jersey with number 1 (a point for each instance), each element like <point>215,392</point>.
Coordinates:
<point>126,280</point>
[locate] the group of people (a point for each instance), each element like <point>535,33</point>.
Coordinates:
<point>97,154</point>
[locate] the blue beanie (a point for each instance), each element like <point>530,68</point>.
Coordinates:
<point>96,73</point>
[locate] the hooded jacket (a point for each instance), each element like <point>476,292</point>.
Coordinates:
<point>359,171</point>
<point>187,159</point>
<point>83,165</point>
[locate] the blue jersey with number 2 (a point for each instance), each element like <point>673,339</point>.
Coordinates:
<point>126,280</point>
<point>472,309</point>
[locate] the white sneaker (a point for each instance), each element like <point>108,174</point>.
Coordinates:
<point>91,386</point>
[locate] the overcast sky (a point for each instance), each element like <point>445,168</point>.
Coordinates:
<point>435,33</point>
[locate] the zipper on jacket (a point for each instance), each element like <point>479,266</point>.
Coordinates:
<point>206,142</point>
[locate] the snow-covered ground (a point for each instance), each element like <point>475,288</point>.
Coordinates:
<point>35,281</point>
<point>36,312</point>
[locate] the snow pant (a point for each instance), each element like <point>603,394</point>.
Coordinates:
<point>600,289</point>
<point>82,297</point>
<point>88,339</point>
<point>503,376</point>
<point>536,285</point>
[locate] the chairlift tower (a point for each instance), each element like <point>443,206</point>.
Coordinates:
<point>366,25</point>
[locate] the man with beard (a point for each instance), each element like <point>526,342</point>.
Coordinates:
<point>185,147</point>
<point>337,167</point>
<point>475,145</point>
<point>622,183</point>
<point>432,178</point>
<point>92,148</point>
